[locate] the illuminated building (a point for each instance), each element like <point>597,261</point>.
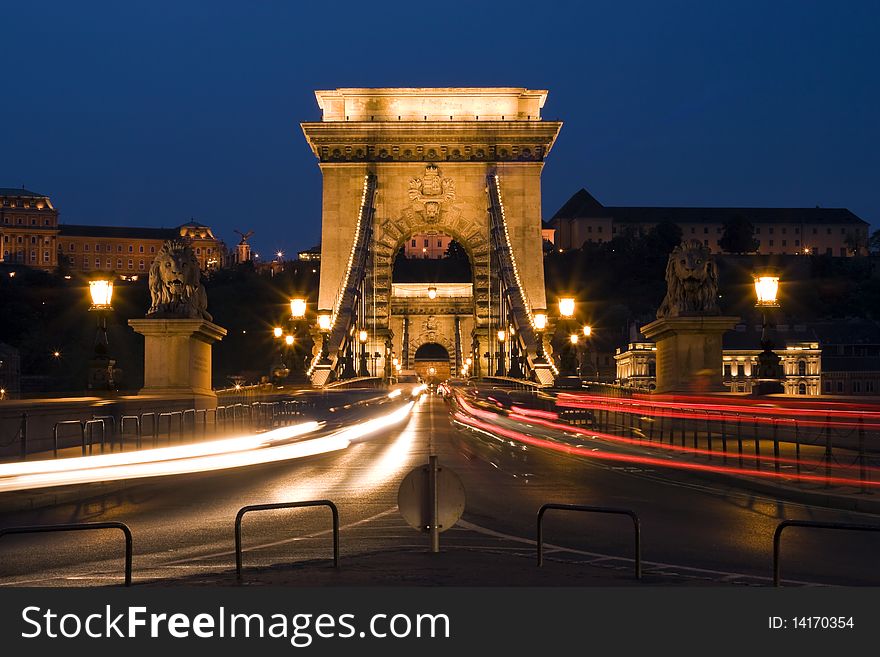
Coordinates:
<point>786,231</point>
<point>29,229</point>
<point>130,250</point>
<point>797,347</point>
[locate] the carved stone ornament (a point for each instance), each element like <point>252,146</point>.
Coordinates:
<point>176,290</point>
<point>692,282</point>
<point>428,193</point>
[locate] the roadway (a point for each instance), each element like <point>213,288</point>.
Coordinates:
<point>692,529</point>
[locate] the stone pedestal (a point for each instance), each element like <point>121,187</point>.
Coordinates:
<point>689,352</point>
<point>177,355</point>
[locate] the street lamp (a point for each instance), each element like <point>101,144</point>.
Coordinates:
<point>101,375</point>
<point>288,340</point>
<point>588,331</point>
<point>501,337</point>
<point>769,368</point>
<point>324,326</point>
<point>297,308</point>
<point>566,307</point>
<point>362,338</point>
<point>540,320</point>
<point>277,331</point>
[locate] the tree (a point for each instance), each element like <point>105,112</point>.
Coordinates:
<point>455,251</point>
<point>738,236</point>
<point>664,236</point>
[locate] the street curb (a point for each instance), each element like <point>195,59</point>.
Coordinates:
<point>23,501</point>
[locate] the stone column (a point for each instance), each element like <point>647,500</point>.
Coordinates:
<point>689,352</point>
<point>177,356</point>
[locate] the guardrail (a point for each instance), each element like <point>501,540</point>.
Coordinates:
<point>591,509</point>
<point>285,505</point>
<point>82,526</point>
<point>777,536</point>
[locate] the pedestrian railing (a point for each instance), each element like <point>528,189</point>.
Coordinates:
<point>81,526</point>
<point>591,509</point>
<point>285,505</point>
<point>777,536</point>
<point>68,423</point>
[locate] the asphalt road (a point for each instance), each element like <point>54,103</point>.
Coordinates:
<point>692,529</point>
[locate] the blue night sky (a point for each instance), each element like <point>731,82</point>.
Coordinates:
<point>149,113</point>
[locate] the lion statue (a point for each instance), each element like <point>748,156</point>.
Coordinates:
<point>692,282</point>
<point>176,291</point>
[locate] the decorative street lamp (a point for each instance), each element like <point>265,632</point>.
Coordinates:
<point>588,331</point>
<point>288,340</point>
<point>101,375</point>
<point>567,359</point>
<point>769,373</point>
<point>515,370</point>
<point>277,331</point>
<point>540,319</point>
<point>586,360</point>
<point>362,337</point>
<point>298,308</point>
<point>432,292</point>
<point>324,326</point>
<point>501,337</point>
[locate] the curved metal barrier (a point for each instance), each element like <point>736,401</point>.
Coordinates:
<point>777,536</point>
<point>81,526</point>
<point>591,509</point>
<point>285,505</point>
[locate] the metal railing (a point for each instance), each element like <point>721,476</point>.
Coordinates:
<point>81,526</point>
<point>591,509</point>
<point>285,505</point>
<point>777,536</point>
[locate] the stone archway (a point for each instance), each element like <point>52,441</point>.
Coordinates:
<point>390,235</point>
<point>432,361</point>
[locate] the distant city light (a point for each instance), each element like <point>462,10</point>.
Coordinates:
<point>566,307</point>
<point>574,338</point>
<point>277,331</point>
<point>288,340</point>
<point>588,331</point>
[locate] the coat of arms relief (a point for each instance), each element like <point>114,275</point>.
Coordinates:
<point>430,192</point>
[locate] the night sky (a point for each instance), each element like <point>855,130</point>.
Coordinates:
<point>149,113</point>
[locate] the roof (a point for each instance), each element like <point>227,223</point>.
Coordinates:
<point>848,331</point>
<point>583,205</point>
<point>122,232</point>
<point>20,191</point>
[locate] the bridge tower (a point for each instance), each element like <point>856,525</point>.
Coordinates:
<point>464,162</point>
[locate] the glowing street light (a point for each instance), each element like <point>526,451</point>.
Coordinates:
<point>501,335</point>
<point>277,331</point>
<point>588,331</point>
<point>297,308</point>
<point>540,321</point>
<point>566,307</point>
<point>432,292</point>
<point>288,340</point>
<point>324,325</point>
<point>574,338</point>
<point>324,321</point>
<point>101,292</point>
<point>766,290</point>
<point>362,338</point>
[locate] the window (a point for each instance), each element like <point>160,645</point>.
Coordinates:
<point>828,387</point>
<point>802,388</point>
<point>784,242</point>
<point>589,229</point>
<point>85,247</point>
<point>857,386</point>
<point>771,242</point>
<point>141,248</point>
<point>152,249</point>
<point>131,264</point>
<point>705,242</point>
<point>797,242</point>
<point>828,251</point>
<point>693,230</point>
<point>727,371</point>
<point>413,243</point>
<point>118,248</point>
<point>97,263</point>
<point>757,230</point>
<point>840,386</point>
<point>33,240</point>
<point>97,247</point>
<point>829,230</point>
<point>130,248</point>
<point>599,229</point>
<point>426,242</point>
<point>141,265</point>
<point>869,386</point>
<point>45,256</point>
<point>439,243</point>
<point>705,230</point>
<point>802,368</point>
<point>119,263</point>
<point>815,231</point>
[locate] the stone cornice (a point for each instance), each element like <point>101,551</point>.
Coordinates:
<point>431,141</point>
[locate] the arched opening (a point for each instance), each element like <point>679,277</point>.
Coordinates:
<point>431,361</point>
<point>802,368</point>
<point>802,388</point>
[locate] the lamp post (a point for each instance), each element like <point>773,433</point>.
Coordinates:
<point>515,370</point>
<point>362,338</point>
<point>769,369</point>
<point>540,324</point>
<point>586,359</point>
<point>567,359</point>
<point>101,375</point>
<point>502,335</point>
<point>324,326</point>
<point>298,307</point>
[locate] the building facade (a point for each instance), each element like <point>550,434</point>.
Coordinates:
<point>28,229</point>
<point>850,356</point>
<point>131,250</point>
<point>797,348</point>
<point>785,231</point>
